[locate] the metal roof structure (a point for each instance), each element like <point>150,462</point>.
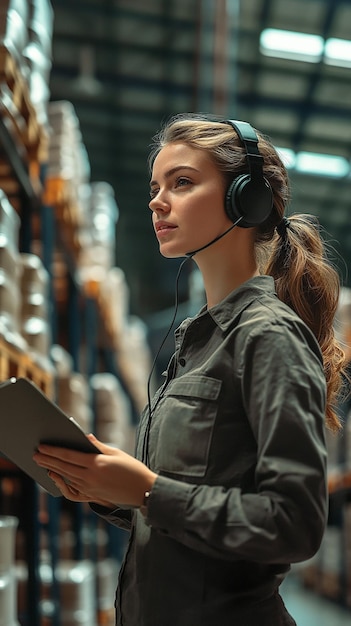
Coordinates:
<point>126,65</point>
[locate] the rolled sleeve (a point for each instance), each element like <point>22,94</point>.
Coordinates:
<point>167,505</point>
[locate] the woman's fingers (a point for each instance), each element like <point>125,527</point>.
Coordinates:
<point>68,491</point>
<point>73,493</point>
<point>103,447</point>
<point>68,472</point>
<point>64,454</point>
<point>56,465</point>
<point>112,476</point>
<point>83,459</point>
<point>75,473</point>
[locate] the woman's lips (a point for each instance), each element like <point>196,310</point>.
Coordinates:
<point>163,229</point>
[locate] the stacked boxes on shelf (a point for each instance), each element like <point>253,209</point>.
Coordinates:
<point>37,54</point>
<point>86,213</point>
<point>8,581</point>
<point>25,64</point>
<point>68,172</point>
<point>73,396</point>
<point>9,274</point>
<point>24,322</point>
<point>112,412</point>
<point>34,319</point>
<point>98,232</point>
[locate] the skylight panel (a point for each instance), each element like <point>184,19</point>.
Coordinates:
<point>291,45</point>
<point>322,164</point>
<point>338,52</point>
<point>325,165</point>
<point>295,46</point>
<point>288,157</point>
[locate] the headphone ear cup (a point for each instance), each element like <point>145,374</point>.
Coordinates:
<point>249,200</point>
<point>232,206</point>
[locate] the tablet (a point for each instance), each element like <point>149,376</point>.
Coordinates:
<point>27,418</point>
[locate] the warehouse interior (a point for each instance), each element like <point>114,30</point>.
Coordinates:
<point>79,105</point>
<point>129,65</point>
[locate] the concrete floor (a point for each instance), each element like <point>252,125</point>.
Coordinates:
<point>309,609</point>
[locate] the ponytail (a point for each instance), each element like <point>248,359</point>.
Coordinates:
<point>308,283</point>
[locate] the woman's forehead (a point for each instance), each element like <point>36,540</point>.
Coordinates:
<point>176,153</point>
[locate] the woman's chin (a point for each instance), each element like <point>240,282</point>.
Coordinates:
<point>168,253</point>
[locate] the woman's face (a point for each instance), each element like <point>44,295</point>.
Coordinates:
<point>187,199</point>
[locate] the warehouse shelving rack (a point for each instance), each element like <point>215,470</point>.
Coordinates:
<point>35,212</point>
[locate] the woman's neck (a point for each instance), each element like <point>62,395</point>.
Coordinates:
<point>216,290</point>
<point>226,268</point>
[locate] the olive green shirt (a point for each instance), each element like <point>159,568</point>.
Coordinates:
<point>237,441</point>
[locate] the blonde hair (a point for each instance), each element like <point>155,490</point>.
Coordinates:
<point>297,260</point>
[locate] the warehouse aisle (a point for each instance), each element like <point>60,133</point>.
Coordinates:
<point>309,609</point>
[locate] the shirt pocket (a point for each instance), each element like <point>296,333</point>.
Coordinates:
<point>185,417</point>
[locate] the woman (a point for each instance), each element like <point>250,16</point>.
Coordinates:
<point>228,486</point>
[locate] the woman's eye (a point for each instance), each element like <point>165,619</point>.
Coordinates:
<point>153,193</point>
<point>182,182</point>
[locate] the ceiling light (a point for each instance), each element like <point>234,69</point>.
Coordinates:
<point>288,44</point>
<point>338,52</point>
<point>322,164</point>
<point>288,157</point>
<point>315,163</point>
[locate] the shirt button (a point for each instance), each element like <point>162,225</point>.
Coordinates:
<point>182,361</point>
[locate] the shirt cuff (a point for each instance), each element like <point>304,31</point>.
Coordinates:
<point>167,504</point>
<point>119,516</point>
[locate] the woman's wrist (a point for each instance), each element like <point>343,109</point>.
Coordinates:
<point>147,493</point>
<point>143,507</point>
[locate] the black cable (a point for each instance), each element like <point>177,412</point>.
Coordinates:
<point>189,255</point>
<point>145,453</point>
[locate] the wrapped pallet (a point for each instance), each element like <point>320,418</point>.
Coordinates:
<point>9,274</point>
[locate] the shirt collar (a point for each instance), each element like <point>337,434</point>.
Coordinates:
<point>228,310</point>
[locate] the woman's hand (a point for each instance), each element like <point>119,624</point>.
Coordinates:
<point>110,479</point>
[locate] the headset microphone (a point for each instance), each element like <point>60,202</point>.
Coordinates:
<point>188,257</point>
<point>249,198</point>
<point>207,245</point>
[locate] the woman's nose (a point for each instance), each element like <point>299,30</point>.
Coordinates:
<point>159,204</point>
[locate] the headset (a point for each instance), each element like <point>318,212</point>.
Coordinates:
<point>249,198</point>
